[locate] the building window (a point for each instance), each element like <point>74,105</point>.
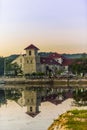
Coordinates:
<point>29,52</point>
<point>30,109</point>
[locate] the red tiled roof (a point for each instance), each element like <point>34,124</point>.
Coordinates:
<point>31,47</point>
<point>55,55</point>
<point>67,62</point>
<point>49,61</point>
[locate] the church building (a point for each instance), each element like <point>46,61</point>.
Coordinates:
<point>34,62</point>
<point>29,62</point>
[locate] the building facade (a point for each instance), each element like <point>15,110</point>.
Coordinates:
<point>34,62</point>
<point>29,62</point>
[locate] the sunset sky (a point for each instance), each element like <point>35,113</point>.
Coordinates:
<point>52,25</point>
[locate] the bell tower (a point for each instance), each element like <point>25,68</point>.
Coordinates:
<point>31,50</point>
<point>32,60</point>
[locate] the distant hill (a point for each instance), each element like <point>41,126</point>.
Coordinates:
<point>75,56</point>
<point>69,56</point>
<point>45,54</point>
<point>12,57</point>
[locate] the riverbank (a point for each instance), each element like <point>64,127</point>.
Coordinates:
<point>54,82</point>
<point>73,119</point>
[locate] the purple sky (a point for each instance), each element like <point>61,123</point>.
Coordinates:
<point>52,25</point>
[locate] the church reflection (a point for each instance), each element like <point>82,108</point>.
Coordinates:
<point>31,97</point>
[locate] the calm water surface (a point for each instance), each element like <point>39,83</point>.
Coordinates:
<point>32,107</point>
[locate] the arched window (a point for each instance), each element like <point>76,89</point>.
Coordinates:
<point>29,52</point>
<point>30,109</point>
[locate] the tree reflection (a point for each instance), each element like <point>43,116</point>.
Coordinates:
<point>31,97</point>
<point>80,96</point>
<point>13,94</point>
<point>3,99</point>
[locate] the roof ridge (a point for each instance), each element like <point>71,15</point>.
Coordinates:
<point>31,46</point>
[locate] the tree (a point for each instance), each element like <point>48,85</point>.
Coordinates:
<point>79,66</point>
<point>13,69</point>
<point>1,65</point>
<point>80,96</point>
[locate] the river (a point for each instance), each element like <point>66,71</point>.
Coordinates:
<point>24,107</point>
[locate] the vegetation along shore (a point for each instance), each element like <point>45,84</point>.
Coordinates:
<point>71,120</point>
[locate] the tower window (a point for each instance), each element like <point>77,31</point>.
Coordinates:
<point>30,109</point>
<point>29,52</point>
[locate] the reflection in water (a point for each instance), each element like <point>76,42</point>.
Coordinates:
<point>28,101</point>
<point>31,97</point>
<point>3,99</point>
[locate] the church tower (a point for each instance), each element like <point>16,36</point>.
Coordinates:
<point>31,60</point>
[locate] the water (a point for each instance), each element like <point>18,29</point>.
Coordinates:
<point>32,107</point>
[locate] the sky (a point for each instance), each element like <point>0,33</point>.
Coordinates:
<point>51,25</point>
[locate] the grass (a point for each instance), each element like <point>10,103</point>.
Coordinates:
<point>77,120</point>
<point>72,120</point>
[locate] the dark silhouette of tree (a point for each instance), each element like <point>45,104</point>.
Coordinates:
<point>1,66</point>
<point>80,96</point>
<point>79,66</point>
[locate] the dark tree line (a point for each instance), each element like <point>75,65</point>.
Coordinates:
<point>8,68</point>
<point>80,96</point>
<point>79,66</point>
<point>1,65</point>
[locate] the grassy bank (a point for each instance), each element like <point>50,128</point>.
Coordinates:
<point>71,120</point>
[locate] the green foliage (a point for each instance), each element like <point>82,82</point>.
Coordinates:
<point>12,69</point>
<point>79,66</point>
<point>34,75</point>
<point>13,94</point>
<point>4,62</point>
<point>59,71</point>
<point>1,65</point>
<point>80,97</point>
<point>71,120</point>
<point>79,113</point>
<point>77,120</point>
